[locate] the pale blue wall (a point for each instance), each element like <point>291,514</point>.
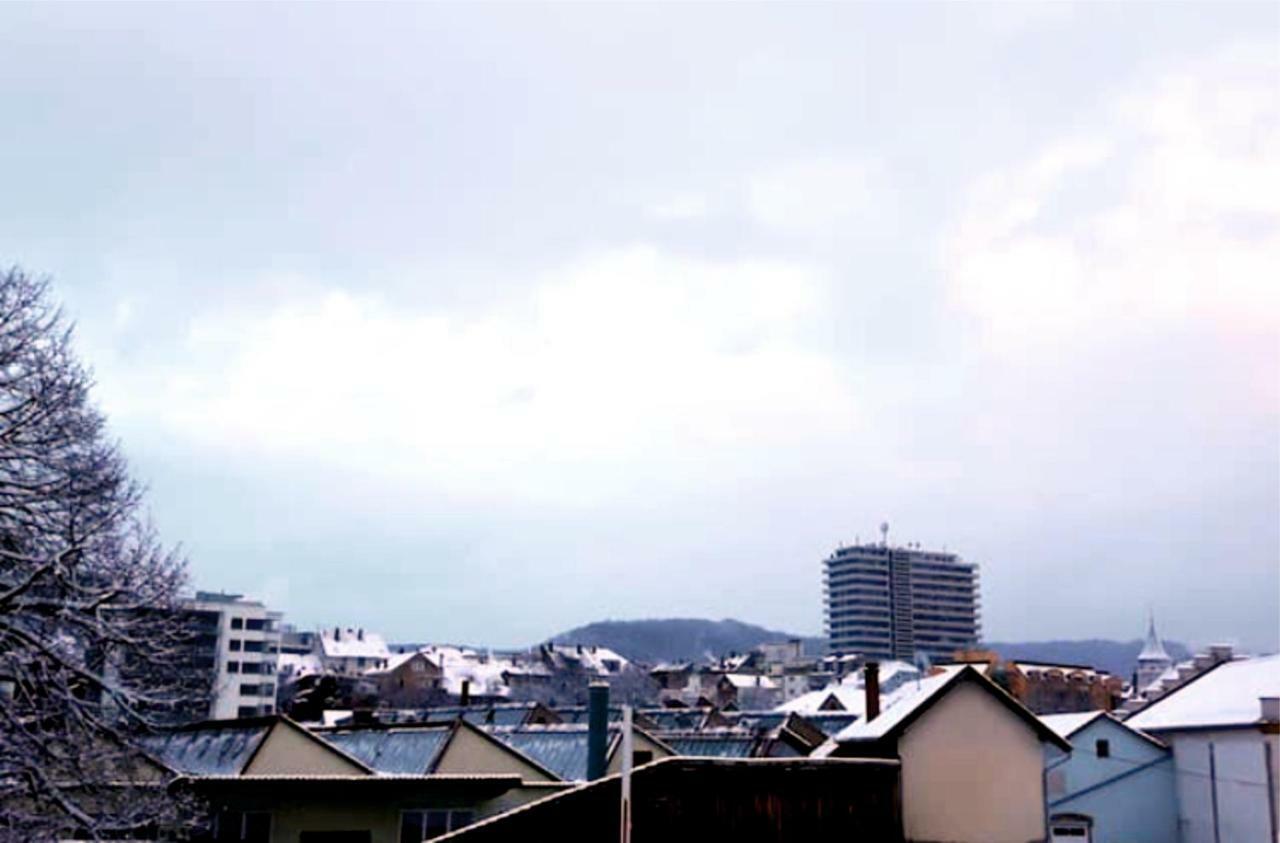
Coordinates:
<point>1126,806</point>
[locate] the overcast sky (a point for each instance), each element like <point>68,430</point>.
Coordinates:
<point>480,322</point>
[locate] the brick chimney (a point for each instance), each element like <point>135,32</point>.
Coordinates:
<point>871,682</point>
<point>464,699</point>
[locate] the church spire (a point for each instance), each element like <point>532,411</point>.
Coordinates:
<point>1153,649</point>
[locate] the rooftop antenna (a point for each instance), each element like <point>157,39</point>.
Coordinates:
<point>884,534</point>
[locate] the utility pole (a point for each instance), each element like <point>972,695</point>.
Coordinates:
<point>628,752</point>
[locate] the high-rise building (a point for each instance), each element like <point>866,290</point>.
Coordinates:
<point>886,602</point>
<point>242,641</point>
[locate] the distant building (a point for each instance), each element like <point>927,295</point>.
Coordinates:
<point>1048,688</point>
<point>242,638</point>
<point>351,652</point>
<point>407,679</point>
<point>896,602</point>
<point>1153,661</point>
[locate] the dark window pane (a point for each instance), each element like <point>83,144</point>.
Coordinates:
<point>411,827</point>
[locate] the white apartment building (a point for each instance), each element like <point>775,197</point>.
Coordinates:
<point>244,637</point>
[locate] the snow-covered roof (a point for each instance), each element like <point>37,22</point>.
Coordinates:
<point>298,664</point>
<point>811,703</point>
<point>352,644</point>
<point>592,657</point>
<point>895,677</point>
<point>1227,695</point>
<point>1066,725</point>
<point>392,662</point>
<point>750,680</point>
<point>897,707</point>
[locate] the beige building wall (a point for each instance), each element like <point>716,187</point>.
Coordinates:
<point>640,743</point>
<point>469,752</point>
<point>286,750</point>
<point>971,773</point>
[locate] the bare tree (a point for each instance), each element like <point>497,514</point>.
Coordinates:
<point>94,650</point>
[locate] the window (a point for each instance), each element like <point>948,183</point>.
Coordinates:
<point>234,645</point>
<point>416,826</point>
<point>248,690</point>
<point>251,667</point>
<point>242,827</point>
<point>254,646</point>
<point>237,623</point>
<point>257,623</point>
<point>1103,748</point>
<point>233,667</point>
<point>247,711</point>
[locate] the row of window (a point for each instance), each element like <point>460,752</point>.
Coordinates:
<point>236,645</point>
<point>267,668</point>
<point>264,690</point>
<point>257,624</point>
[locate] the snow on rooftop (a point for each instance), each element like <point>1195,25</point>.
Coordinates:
<point>750,680</point>
<point>1227,695</point>
<point>352,644</point>
<point>298,664</point>
<point>896,707</point>
<point>1066,725</point>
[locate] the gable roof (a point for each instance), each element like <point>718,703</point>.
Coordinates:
<point>397,750</point>
<point>228,747</point>
<point>1068,725</point>
<point>562,748</point>
<point>904,709</point>
<point>1225,695</point>
<point>221,748</point>
<point>413,749</point>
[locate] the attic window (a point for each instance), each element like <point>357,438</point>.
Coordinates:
<point>1103,748</point>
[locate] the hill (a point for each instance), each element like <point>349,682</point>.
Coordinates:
<point>678,639</point>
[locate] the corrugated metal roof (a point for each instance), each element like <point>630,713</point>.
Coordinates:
<point>711,746</point>
<point>405,751</point>
<point>675,719</point>
<point>562,751</point>
<point>833,722</point>
<point>215,751</point>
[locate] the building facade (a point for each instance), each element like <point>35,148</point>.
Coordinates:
<point>1117,785</point>
<point>242,638</point>
<point>888,602</point>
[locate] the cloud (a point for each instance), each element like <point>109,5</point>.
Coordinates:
<point>618,358</point>
<point>682,207</point>
<point>1162,220</point>
<point>822,197</point>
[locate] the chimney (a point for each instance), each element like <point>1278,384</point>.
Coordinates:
<point>1270,709</point>
<point>872,685</point>
<point>337,634</point>
<point>465,698</point>
<point>360,634</point>
<point>597,729</point>
<point>1220,653</point>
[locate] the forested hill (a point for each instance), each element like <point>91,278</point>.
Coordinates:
<point>677,639</point>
